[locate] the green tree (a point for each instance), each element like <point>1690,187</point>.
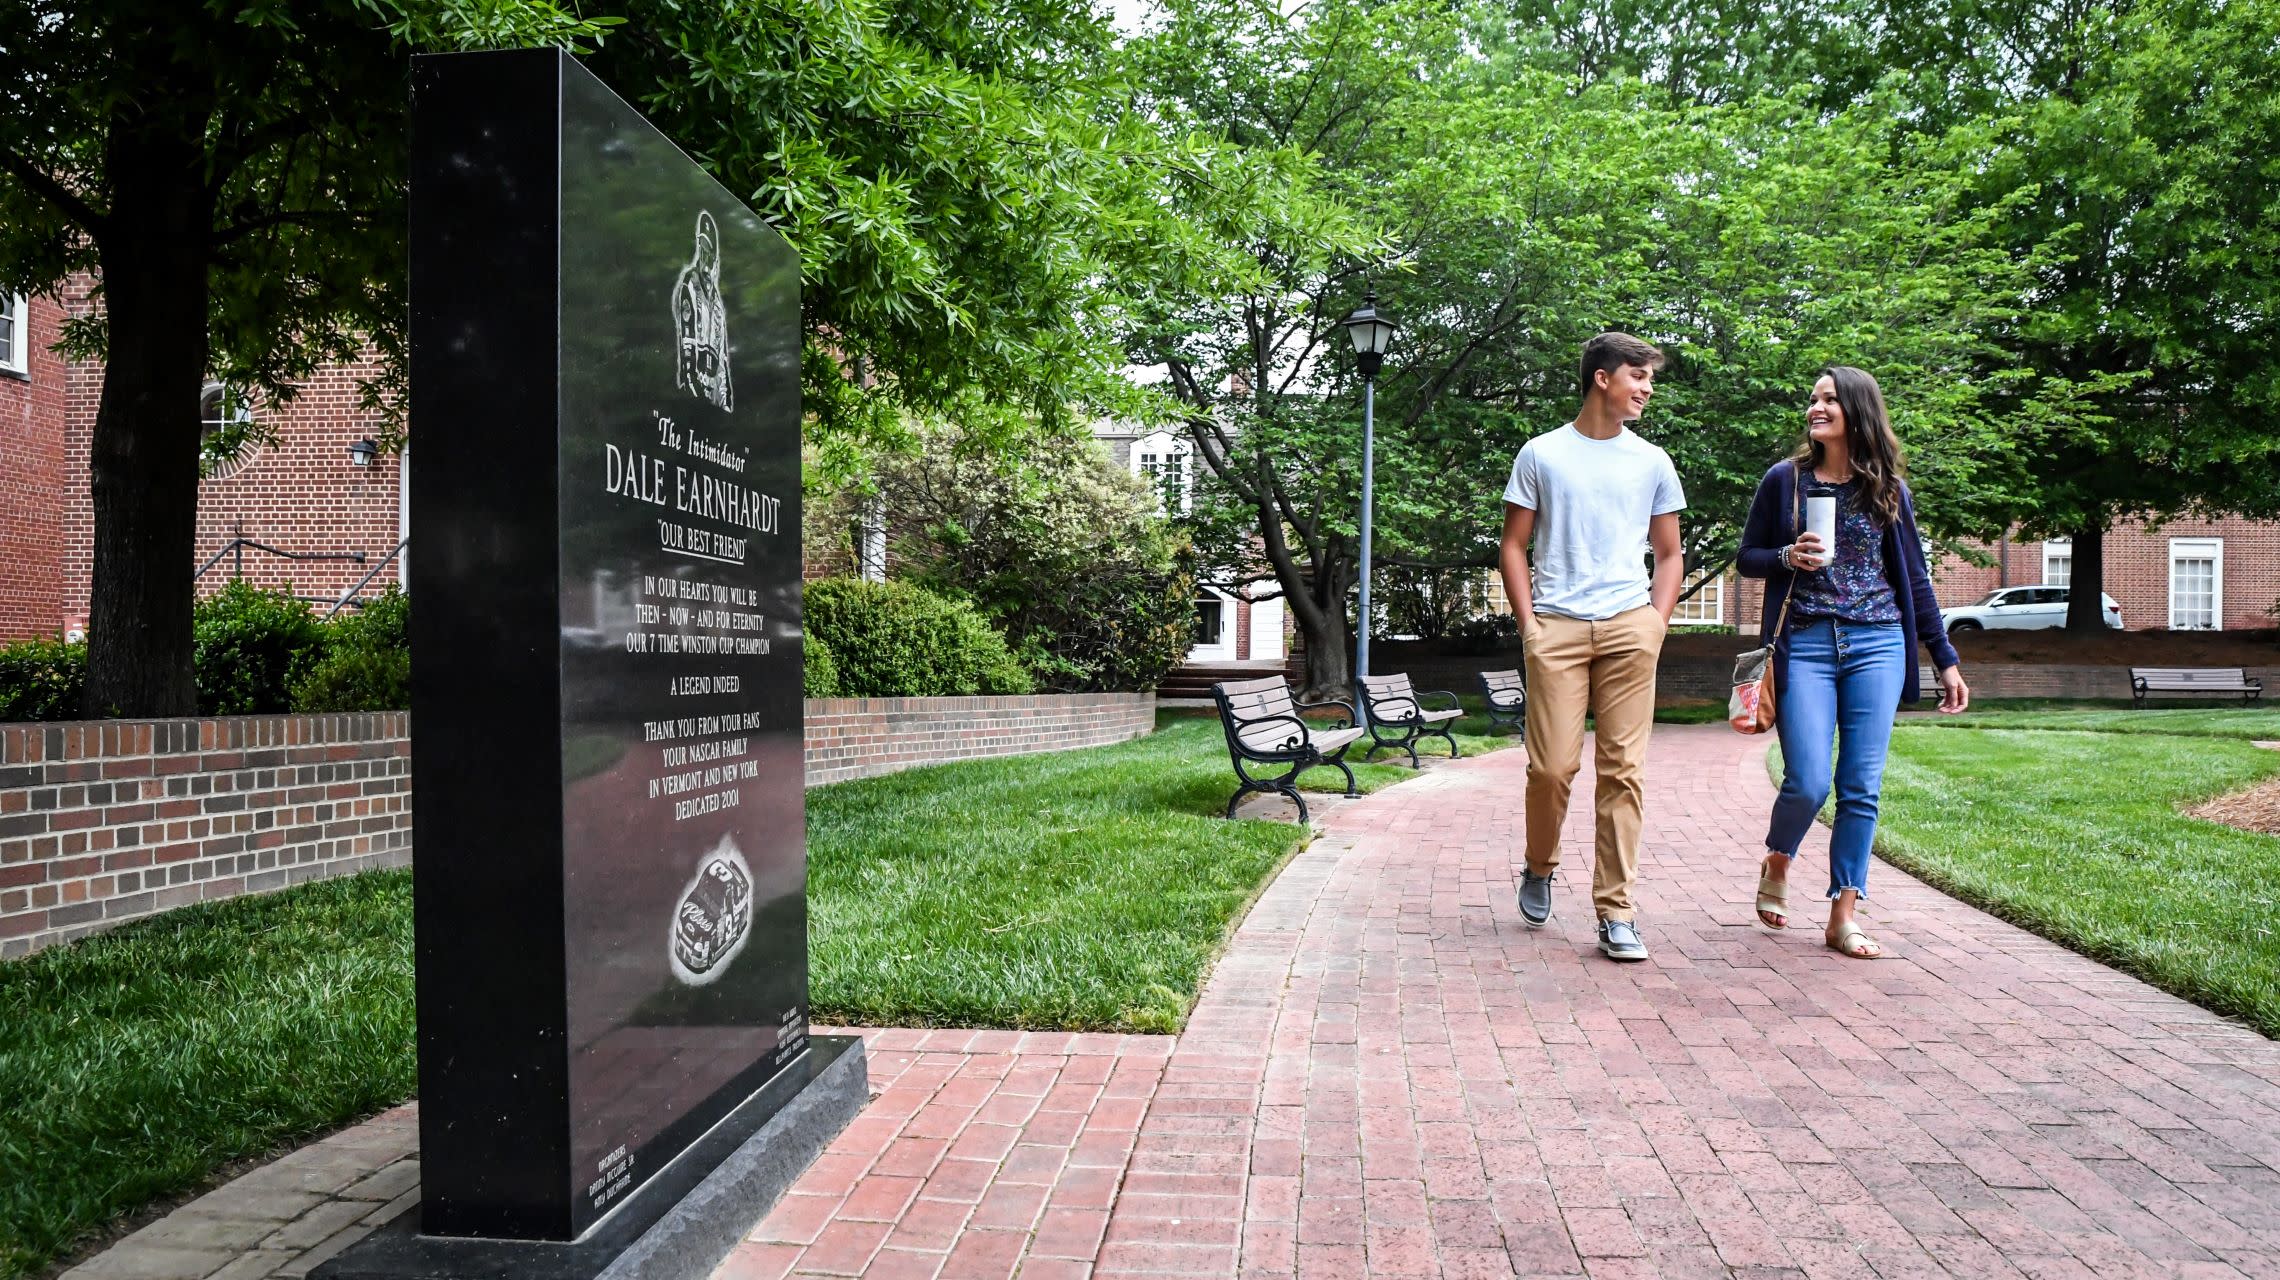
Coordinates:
<point>2128,141</point>
<point>232,172</point>
<point>1061,550</point>
<point>2154,222</point>
<point>976,204</point>
<point>1524,211</point>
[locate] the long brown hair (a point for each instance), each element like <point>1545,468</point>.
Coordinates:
<point>1876,459</point>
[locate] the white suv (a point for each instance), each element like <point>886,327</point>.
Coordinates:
<point>2020,609</point>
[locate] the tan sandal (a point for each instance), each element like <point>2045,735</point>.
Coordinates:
<point>1853,941</point>
<point>1772,902</point>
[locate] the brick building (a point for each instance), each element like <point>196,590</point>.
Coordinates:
<point>34,403</point>
<point>305,494</point>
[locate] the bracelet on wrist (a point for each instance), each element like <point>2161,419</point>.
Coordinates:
<point>1785,562</point>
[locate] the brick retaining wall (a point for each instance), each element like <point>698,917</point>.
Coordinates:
<point>104,821</point>
<point>862,737</point>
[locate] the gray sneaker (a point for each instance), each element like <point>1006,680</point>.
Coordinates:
<point>1536,897</point>
<point>1619,940</point>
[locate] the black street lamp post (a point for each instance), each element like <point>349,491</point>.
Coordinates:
<point>1372,334</point>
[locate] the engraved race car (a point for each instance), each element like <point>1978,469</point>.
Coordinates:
<point>713,915</point>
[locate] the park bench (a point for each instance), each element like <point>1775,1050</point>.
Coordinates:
<point>1507,696</point>
<point>1265,726</point>
<point>1393,704</point>
<point>2205,682</point>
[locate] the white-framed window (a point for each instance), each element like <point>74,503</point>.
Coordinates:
<point>15,335</point>
<point>1167,464</point>
<point>870,538</point>
<point>223,442</point>
<point>2058,562</point>
<point>2196,584</point>
<point>1705,608</point>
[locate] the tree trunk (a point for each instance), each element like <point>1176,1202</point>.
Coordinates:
<point>144,457</point>
<point>1318,610</point>
<point>1329,664</point>
<point>2086,579</point>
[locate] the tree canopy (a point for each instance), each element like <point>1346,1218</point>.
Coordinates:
<point>975,202</point>
<point>2049,226</point>
<point>1517,210</point>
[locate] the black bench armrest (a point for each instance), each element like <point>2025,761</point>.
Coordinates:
<point>1455,703</point>
<point>1334,704</point>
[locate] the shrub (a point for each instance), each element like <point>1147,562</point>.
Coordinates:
<point>385,622</point>
<point>820,677</point>
<point>1063,551</point>
<point>367,660</point>
<point>895,640</point>
<point>250,648</point>
<point>42,680</point>
<point>357,679</point>
<point>1483,635</point>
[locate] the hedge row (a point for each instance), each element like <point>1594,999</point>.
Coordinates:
<point>254,652</point>
<point>262,652</point>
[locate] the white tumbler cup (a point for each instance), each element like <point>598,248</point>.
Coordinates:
<point>1821,519</point>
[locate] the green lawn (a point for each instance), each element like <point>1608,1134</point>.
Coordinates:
<point>2078,836</point>
<point>1078,890</point>
<point>1084,890</point>
<point>2257,722</point>
<point>136,1063</point>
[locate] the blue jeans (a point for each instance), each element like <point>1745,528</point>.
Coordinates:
<point>1844,683</point>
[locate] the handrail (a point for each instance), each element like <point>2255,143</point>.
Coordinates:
<point>238,546</point>
<point>362,582</point>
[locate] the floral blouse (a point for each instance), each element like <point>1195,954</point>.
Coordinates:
<point>1851,587</point>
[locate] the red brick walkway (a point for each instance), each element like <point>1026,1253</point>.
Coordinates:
<point>1388,1075</point>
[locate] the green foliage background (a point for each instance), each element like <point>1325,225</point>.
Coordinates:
<point>1062,551</point>
<point>897,640</point>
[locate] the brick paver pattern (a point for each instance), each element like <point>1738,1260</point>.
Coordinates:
<point>282,1219</point>
<point>1387,1074</point>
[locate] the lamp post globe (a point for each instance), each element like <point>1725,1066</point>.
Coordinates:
<point>1372,333</point>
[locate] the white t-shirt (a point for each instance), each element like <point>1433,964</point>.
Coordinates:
<point>1593,500</point>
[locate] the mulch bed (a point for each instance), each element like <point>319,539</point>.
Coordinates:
<point>2256,809</point>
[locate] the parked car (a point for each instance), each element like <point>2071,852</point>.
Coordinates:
<point>2020,609</point>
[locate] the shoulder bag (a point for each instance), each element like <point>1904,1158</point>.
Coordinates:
<point>1752,706</point>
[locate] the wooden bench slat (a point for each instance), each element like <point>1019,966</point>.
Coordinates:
<point>1248,705</point>
<point>1275,736</point>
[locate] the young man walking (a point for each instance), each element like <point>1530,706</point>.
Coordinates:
<point>1592,497</point>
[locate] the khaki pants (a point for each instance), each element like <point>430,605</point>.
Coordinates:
<point>1606,669</point>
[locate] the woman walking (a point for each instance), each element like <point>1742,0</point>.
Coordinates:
<point>1846,620</point>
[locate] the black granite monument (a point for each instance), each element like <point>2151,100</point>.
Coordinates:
<point>611,870</point>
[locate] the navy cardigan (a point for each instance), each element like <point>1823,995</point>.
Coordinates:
<point>1772,526</point>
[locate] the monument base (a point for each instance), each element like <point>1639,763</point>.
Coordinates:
<point>678,1224</point>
